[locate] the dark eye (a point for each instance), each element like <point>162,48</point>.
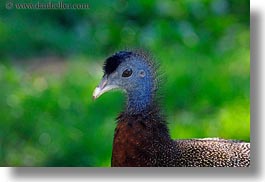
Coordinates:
<point>127,73</point>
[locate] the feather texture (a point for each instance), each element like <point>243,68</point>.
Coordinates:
<point>142,137</point>
<point>143,140</point>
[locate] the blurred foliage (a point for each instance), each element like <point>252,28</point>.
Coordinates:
<point>50,62</point>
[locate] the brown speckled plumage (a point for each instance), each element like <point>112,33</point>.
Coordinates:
<point>143,140</point>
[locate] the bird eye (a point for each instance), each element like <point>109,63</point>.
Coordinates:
<point>127,73</point>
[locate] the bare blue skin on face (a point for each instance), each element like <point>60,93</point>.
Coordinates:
<point>139,86</point>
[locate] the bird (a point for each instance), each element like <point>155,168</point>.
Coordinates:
<point>141,137</point>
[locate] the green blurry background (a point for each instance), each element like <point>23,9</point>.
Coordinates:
<point>50,62</point>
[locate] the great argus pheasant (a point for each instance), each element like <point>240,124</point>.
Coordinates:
<point>141,136</point>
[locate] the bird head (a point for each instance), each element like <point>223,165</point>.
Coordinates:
<point>131,72</point>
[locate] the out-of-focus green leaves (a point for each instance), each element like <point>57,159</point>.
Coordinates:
<point>50,62</point>
<point>203,25</point>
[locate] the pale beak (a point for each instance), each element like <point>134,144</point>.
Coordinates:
<point>102,88</point>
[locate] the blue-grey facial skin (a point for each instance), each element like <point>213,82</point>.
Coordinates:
<point>139,86</point>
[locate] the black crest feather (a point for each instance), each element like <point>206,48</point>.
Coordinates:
<point>114,61</point>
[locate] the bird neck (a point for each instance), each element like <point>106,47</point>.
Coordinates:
<point>140,99</point>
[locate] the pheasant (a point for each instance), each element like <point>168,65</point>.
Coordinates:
<point>142,137</point>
